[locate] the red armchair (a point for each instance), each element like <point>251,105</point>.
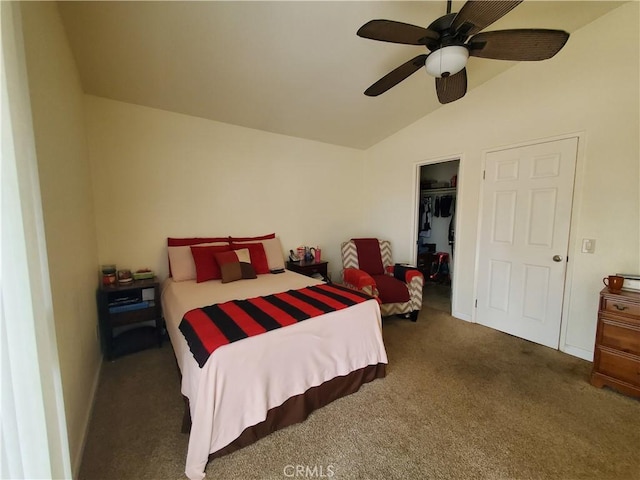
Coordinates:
<point>368,267</point>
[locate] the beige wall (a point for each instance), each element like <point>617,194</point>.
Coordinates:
<point>158,174</point>
<point>67,202</point>
<point>591,88</point>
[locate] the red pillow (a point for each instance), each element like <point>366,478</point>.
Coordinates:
<point>257,254</point>
<point>181,242</point>
<point>248,239</point>
<point>206,266</point>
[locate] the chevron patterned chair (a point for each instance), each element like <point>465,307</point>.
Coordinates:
<point>368,267</point>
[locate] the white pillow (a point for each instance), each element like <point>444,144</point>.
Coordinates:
<point>181,261</point>
<point>272,249</point>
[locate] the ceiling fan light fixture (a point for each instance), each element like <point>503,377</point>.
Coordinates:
<point>447,61</point>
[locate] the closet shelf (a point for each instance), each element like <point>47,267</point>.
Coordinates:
<point>434,191</point>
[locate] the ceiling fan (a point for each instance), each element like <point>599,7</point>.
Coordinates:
<point>454,37</point>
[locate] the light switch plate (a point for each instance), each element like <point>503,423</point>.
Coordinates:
<point>588,245</point>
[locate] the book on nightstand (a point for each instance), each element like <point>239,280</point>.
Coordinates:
<point>631,281</point>
<point>128,307</point>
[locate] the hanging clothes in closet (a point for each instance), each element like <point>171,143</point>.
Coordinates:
<point>452,226</point>
<point>426,212</point>
<point>425,216</point>
<point>446,202</point>
<point>436,206</point>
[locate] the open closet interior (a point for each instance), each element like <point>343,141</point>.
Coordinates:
<point>436,230</point>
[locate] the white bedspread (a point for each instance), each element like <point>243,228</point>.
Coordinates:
<point>241,381</point>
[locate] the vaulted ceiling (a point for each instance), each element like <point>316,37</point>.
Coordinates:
<point>293,68</point>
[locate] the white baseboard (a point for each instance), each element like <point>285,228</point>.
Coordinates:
<point>577,352</point>
<point>77,461</point>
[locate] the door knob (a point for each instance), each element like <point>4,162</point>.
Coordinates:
<point>557,258</point>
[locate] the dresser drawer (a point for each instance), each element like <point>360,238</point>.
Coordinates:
<point>619,366</point>
<point>620,306</point>
<point>619,337</point>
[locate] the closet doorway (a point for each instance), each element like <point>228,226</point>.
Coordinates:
<point>436,231</point>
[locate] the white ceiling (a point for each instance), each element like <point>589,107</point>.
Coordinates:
<point>294,68</point>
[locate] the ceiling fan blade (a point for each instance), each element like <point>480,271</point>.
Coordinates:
<point>450,89</point>
<point>519,45</point>
<point>396,32</point>
<point>394,77</point>
<point>476,15</point>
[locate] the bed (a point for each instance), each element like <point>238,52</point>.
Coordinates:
<point>249,388</point>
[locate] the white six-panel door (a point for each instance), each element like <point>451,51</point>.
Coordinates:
<point>524,236</point>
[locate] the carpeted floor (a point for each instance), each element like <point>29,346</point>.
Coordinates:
<point>437,296</point>
<point>460,401</point>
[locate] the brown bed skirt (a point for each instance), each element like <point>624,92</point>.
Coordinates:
<point>297,408</point>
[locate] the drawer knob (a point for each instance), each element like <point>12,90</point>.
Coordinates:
<point>620,307</point>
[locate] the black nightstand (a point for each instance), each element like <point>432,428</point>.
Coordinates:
<point>130,317</point>
<point>309,268</point>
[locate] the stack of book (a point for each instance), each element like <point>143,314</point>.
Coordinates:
<point>127,304</point>
<point>631,281</point>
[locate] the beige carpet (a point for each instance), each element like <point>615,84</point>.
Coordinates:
<point>460,401</point>
<point>437,296</point>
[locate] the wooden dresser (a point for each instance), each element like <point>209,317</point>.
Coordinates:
<point>616,362</point>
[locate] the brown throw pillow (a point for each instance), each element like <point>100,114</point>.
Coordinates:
<point>235,265</point>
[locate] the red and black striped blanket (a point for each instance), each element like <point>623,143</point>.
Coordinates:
<point>208,328</point>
